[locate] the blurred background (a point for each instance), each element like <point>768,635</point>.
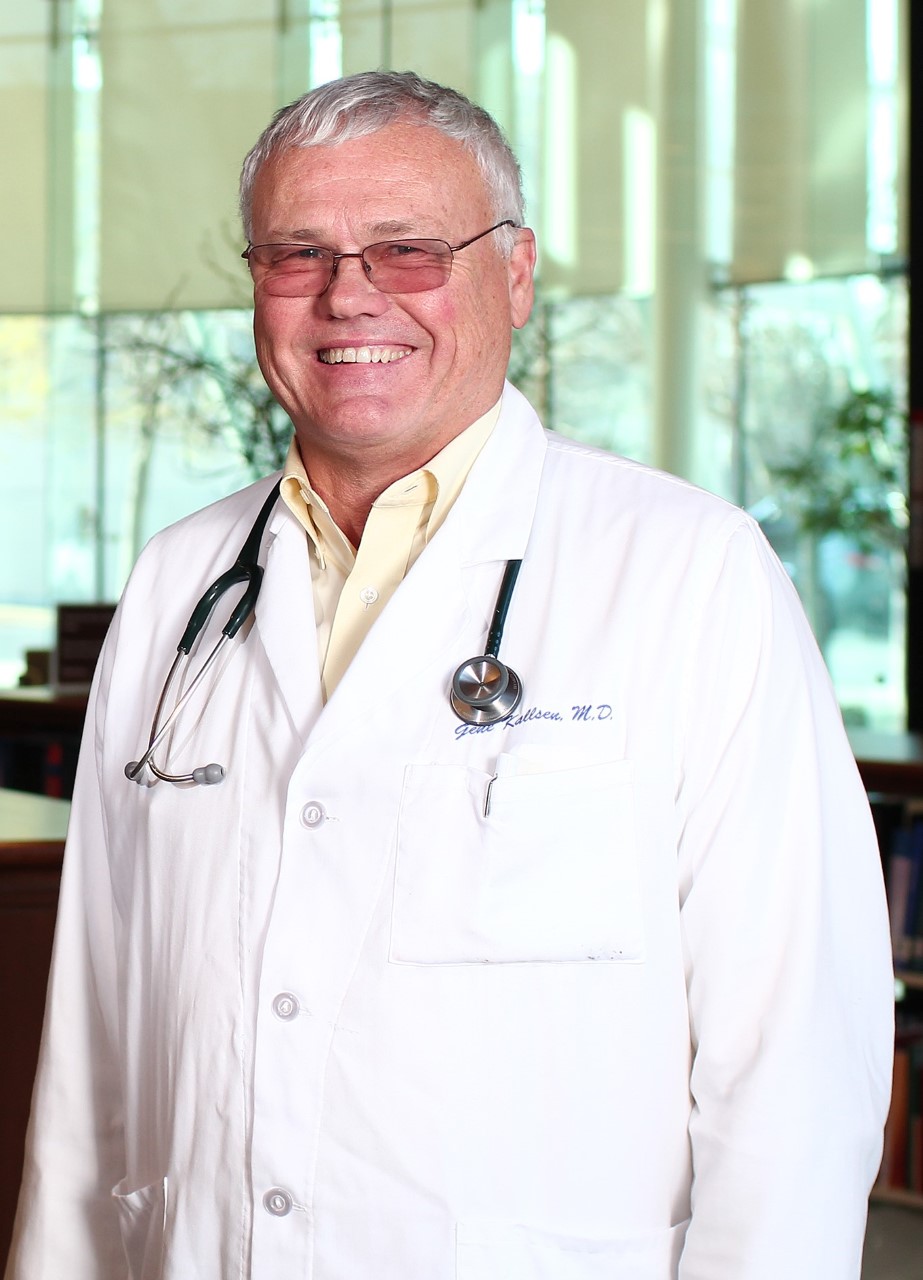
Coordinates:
<point>719,189</point>
<point>722,191</point>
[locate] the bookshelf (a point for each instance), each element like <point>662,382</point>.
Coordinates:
<point>32,830</point>
<point>40,731</point>
<point>891,767</point>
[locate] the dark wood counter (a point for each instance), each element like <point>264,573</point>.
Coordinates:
<point>889,763</point>
<point>32,830</point>
<point>41,709</point>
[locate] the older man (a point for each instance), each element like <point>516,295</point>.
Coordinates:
<point>574,968</point>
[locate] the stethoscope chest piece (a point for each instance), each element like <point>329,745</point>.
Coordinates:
<point>485,691</point>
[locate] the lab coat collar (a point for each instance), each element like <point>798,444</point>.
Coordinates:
<point>489,522</point>
<point>492,516</point>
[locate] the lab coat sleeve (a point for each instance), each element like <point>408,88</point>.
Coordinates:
<point>785,940</point>
<point>66,1222</point>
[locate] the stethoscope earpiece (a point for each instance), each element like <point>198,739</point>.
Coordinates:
<point>207,775</point>
<point>485,691</point>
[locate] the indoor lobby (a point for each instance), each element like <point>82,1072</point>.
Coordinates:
<point>726,199</point>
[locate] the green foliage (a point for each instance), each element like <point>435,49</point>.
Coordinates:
<point>852,478</point>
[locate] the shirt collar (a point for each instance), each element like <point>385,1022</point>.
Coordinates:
<point>435,485</point>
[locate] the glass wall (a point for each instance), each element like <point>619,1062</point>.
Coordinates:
<point>718,188</point>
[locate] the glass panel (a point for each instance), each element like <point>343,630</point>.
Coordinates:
<point>47,479</point>
<point>188,419</point>
<point>434,37</point>
<point>112,430</point>
<point>585,364</point>
<point>24,109</point>
<point>657,169</point>
<point>820,427</point>
<point>599,92</point>
<point>784,69</point>
<point>186,89</point>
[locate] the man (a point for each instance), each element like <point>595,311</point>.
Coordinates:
<point>598,991</point>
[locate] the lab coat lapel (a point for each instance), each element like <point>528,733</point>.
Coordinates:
<point>444,605</point>
<point>285,620</point>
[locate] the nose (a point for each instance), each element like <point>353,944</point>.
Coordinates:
<point>338,258</point>
<point>351,291</point>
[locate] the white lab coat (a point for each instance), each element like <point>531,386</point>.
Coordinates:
<point>332,1019</point>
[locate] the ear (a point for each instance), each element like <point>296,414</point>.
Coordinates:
<point>521,268</point>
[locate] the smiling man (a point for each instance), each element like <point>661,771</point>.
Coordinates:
<point>568,961</point>
<point>378,382</point>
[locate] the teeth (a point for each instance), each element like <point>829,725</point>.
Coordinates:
<point>362,355</point>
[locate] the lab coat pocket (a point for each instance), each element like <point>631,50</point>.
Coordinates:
<point>548,873</point>
<point>501,1251</point>
<point>142,1219</point>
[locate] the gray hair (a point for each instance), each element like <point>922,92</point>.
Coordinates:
<point>358,105</point>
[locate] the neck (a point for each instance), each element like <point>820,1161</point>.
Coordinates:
<point>350,490</point>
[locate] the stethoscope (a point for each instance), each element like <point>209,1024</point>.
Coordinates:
<point>484,690</point>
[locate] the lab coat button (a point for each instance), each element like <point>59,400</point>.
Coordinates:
<point>278,1202</point>
<point>368,595</point>
<point>313,814</point>
<point>285,1006</point>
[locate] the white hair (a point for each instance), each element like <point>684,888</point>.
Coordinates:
<point>358,105</point>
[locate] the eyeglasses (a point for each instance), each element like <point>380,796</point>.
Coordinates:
<point>393,266</point>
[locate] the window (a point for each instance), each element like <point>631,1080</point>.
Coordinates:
<point>718,190</point>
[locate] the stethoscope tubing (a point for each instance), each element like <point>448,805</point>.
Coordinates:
<point>502,607</point>
<point>158,731</point>
<point>247,569</point>
<point>484,690</point>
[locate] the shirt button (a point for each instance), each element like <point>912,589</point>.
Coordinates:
<point>285,1006</point>
<point>278,1202</point>
<point>368,595</point>
<point>313,814</point>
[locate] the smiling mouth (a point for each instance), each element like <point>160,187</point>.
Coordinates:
<point>362,355</point>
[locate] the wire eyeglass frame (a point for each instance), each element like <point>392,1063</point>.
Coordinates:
<point>297,276</point>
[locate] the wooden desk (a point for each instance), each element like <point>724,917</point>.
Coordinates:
<point>32,830</point>
<point>889,763</point>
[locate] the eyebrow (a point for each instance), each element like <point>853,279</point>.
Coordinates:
<point>378,231</point>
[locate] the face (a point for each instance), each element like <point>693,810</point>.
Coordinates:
<point>438,358</point>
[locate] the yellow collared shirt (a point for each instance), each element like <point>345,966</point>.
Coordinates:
<point>351,587</point>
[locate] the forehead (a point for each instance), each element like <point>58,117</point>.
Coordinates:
<point>405,177</point>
